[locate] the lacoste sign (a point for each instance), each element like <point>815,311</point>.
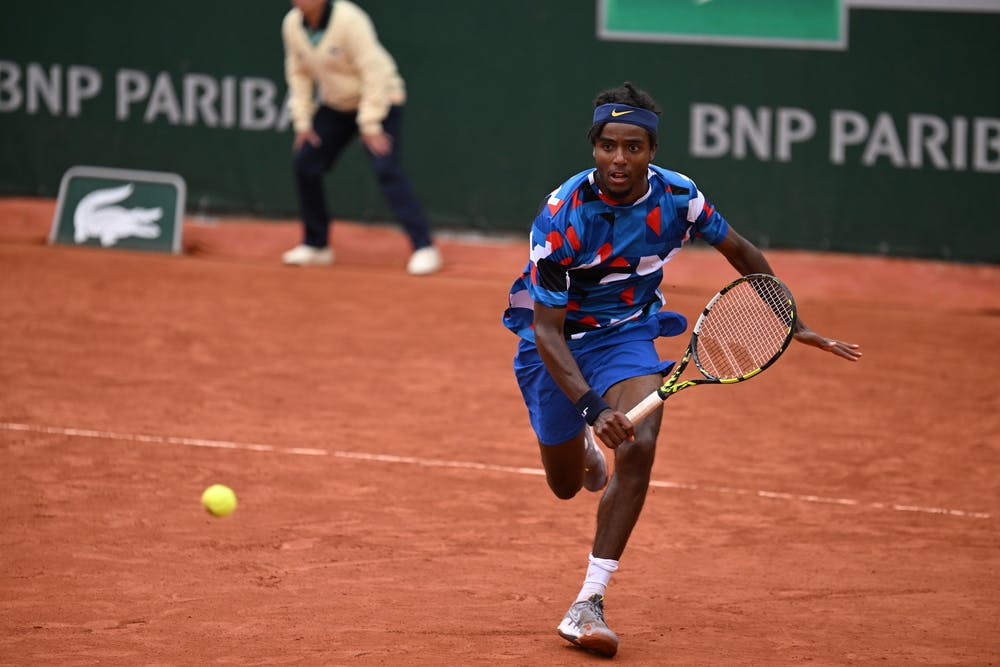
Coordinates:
<point>121,208</point>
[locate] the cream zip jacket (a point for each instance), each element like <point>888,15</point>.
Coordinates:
<point>352,68</point>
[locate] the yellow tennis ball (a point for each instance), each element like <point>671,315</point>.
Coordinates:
<point>219,500</point>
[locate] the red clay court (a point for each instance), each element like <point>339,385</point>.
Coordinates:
<point>392,506</point>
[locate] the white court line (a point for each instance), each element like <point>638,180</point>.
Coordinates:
<point>470,465</point>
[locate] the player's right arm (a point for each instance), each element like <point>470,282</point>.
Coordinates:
<point>554,247</point>
<point>552,347</point>
<point>611,426</point>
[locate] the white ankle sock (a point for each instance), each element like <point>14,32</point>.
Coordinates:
<point>598,577</point>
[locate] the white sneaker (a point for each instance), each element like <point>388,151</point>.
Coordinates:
<point>595,472</point>
<point>424,261</point>
<point>307,255</point>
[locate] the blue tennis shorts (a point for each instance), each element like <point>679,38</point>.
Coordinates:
<point>611,358</point>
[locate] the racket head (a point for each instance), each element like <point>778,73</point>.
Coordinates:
<point>744,328</point>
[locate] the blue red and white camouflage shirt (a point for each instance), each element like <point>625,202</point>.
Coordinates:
<point>602,261</point>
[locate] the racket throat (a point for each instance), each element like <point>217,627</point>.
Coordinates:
<point>668,391</point>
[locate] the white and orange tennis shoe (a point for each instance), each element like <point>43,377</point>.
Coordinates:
<point>584,626</point>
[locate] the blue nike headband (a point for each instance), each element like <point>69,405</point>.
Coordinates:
<point>623,113</point>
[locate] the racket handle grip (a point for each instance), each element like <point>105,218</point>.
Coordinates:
<point>644,407</point>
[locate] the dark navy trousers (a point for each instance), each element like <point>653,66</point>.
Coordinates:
<point>310,164</point>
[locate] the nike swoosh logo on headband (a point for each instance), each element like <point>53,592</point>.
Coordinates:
<point>616,113</point>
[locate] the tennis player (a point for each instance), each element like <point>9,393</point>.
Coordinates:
<point>587,309</point>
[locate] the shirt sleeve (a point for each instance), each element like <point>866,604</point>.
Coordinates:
<point>706,222</point>
<point>554,247</point>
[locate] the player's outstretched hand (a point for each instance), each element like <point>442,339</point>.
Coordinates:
<point>614,428</point>
<point>849,351</point>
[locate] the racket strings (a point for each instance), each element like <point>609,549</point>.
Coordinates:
<point>744,330</point>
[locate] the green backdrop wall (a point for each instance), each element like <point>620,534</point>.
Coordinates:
<point>886,143</point>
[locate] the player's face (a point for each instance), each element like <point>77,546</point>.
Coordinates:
<point>622,154</point>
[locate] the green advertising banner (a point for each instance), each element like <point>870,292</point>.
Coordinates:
<point>780,23</point>
<point>863,126</point>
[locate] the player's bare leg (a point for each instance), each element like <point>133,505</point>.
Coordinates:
<point>622,503</point>
<point>618,511</point>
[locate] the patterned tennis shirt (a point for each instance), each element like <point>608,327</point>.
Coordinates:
<point>602,261</point>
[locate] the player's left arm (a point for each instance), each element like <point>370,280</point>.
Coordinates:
<point>747,258</point>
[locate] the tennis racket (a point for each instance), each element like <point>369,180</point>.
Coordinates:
<point>742,331</point>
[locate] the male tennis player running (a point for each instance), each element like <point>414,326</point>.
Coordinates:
<point>587,308</point>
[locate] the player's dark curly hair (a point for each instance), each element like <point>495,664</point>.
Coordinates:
<point>624,94</point>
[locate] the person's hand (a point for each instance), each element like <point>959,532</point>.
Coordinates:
<point>849,351</point>
<point>613,428</point>
<point>378,144</point>
<point>308,136</point>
